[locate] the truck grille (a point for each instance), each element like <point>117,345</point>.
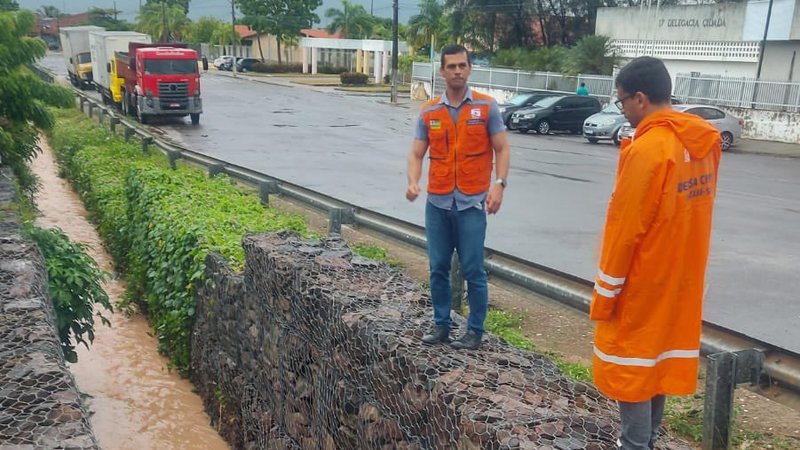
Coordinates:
<point>173,95</point>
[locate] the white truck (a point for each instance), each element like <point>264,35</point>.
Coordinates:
<point>75,46</point>
<point>103,45</point>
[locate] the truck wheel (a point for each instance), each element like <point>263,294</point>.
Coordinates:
<point>195,118</point>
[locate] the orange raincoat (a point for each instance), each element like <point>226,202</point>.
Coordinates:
<point>649,290</point>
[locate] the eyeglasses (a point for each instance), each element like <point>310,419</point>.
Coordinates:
<point>621,102</point>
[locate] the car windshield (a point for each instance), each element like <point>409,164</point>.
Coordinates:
<point>519,100</point>
<point>547,101</point>
<point>612,109</point>
<point>170,66</point>
<point>84,58</point>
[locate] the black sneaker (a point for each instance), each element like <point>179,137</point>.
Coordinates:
<point>469,341</point>
<point>438,334</point>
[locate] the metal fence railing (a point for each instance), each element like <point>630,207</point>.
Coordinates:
<point>600,86</point>
<point>738,92</point>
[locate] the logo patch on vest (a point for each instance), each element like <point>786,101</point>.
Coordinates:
<point>475,113</point>
<point>436,124</point>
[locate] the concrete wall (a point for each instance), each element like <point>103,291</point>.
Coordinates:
<point>315,348</point>
<point>269,47</point>
<point>728,69</point>
<point>718,22</point>
<point>40,405</point>
<point>769,125</point>
<point>780,22</point>
<point>778,57</point>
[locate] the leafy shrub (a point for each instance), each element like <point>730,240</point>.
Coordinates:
<point>277,68</point>
<point>354,78</point>
<point>160,222</point>
<point>332,70</point>
<point>75,287</point>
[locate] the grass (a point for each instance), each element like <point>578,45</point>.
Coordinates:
<point>509,327</point>
<point>376,252</point>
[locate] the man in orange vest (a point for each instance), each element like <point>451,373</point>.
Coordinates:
<point>464,133</point>
<point>648,295</point>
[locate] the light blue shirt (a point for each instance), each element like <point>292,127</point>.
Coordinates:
<point>462,201</point>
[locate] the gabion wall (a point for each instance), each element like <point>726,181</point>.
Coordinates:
<point>40,407</point>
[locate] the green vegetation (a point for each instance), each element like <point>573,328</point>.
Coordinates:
<point>509,327</point>
<point>23,97</point>
<point>590,55</point>
<point>75,287</point>
<point>159,224</point>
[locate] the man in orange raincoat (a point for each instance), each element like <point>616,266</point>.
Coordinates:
<point>648,294</point>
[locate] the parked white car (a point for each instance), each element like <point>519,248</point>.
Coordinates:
<point>223,60</point>
<point>729,126</point>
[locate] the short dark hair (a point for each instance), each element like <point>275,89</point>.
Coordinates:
<point>455,49</point>
<point>583,84</point>
<point>647,75</point>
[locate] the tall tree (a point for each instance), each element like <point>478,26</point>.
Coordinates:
<point>203,29</point>
<point>23,96</point>
<point>424,27</point>
<point>107,18</point>
<point>352,20</point>
<point>9,5</point>
<point>182,3</point>
<point>153,16</point>
<point>281,18</point>
<point>592,54</point>
<point>49,11</point>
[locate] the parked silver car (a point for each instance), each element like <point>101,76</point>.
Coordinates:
<point>604,125</point>
<point>729,126</point>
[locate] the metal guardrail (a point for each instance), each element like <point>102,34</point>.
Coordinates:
<point>780,378</point>
<point>739,92</point>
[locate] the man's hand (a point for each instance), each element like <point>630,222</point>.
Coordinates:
<point>494,199</point>
<point>412,192</point>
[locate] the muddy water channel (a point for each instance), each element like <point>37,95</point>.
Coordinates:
<point>137,403</point>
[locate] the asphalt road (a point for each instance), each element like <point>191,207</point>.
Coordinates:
<point>354,148</point>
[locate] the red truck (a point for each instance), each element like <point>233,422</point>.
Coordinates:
<point>159,80</point>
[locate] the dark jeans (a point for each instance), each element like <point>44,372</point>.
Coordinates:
<point>640,423</point>
<point>465,232</point>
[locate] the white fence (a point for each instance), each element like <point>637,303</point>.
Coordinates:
<point>738,92</point>
<point>600,86</point>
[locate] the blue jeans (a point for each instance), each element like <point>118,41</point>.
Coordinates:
<point>640,423</point>
<point>465,232</point>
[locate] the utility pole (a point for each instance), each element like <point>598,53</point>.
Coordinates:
<point>394,52</point>
<point>764,41</point>
<point>233,37</point>
<point>115,10</point>
<point>371,2</point>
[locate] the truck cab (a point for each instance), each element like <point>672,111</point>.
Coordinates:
<point>83,68</point>
<point>168,82</point>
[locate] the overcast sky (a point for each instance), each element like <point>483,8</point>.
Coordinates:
<point>215,8</point>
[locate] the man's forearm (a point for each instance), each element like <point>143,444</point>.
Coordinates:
<point>502,162</point>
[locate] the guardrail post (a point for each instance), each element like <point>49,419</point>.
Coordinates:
<point>723,372</point>
<point>146,141</point>
<point>265,188</point>
<point>91,109</point>
<point>215,169</point>
<point>456,284</point>
<point>128,132</point>
<point>101,115</point>
<point>82,100</point>
<point>337,217</point>
<point>173,156</point>
<point>113,122</point>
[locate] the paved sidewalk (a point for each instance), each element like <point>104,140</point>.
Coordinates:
<point>767,148</point>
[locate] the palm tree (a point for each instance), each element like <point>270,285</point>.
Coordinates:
<point>150,20</point>
<point>49,12</point>
<point>352,20</point>
<point>423,27</point>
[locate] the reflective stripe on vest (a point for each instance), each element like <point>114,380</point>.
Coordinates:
<point>645,362</point>
<point>460,154</point>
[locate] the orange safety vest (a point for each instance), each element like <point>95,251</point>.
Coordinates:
<point>460,156</point>
<point>648,295</point>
